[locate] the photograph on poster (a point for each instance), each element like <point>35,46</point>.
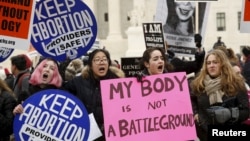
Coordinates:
<point>181,17</point>
<point>181,21</point>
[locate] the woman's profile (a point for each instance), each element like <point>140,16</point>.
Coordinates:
<point>180,20</point>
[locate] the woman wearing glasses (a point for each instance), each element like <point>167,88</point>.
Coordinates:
<point>87,86</point>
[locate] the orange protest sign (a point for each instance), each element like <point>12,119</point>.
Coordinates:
<point>15,18</point>
<point>247,10</point>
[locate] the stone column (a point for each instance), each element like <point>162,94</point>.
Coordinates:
<point>114,20</point>
<point>92,5</point>
<point>136,42</point>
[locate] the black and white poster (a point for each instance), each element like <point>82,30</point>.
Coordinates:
<point>153,34</point>
<point>181,21</point>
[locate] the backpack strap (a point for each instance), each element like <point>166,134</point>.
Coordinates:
<point>21,79</point>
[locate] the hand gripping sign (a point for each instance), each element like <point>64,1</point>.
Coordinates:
<point>63,29</point>
<point>52,115</point>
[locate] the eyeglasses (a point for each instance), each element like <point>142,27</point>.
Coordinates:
<point>98,61</point>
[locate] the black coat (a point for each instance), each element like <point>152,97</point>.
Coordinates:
<point>87,89</point>
<point>10,80</point>
<point>201,103</point>
<point>246,70</point>
<point>189,66</point>
<point>7,105</point>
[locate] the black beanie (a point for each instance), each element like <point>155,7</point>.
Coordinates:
<point>246,51</point>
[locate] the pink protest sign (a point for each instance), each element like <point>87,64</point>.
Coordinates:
<point>158,108</point>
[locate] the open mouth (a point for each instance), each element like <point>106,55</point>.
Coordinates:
<point>184,11</point>
<point>45,76</point>
<point>102,69</point>
<point>160,68</point>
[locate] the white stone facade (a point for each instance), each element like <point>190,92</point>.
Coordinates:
<point>113,32</point>
<point>231,36</point>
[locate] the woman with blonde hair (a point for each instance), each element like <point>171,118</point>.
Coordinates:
<point>219,94</point>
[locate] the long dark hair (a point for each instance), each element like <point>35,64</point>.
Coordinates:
<point>147,55</point>
<point>93,53</point>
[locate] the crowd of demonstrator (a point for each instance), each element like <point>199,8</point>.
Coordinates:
<point>220,78</point>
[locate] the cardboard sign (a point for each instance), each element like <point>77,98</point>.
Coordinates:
<point>158,108</point>
<point>63,29</point>
<point>16,19</point>
<point>52,115</point>
<point>153,35</point>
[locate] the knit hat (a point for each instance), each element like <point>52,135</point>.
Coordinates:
<point>246,51</point>
<point>21,61</point>
<point>74,67</point>
<point>28,61</point>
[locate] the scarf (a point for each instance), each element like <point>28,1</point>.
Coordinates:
<point>213,89</point>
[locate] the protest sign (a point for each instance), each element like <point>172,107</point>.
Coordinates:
<point>16,18</point>
<point>153,35</point>
<point>180,25</point>
<point>158,108</point>
<point>245,17</point>
<point>63,29</point>
<point>52,115</point>
<point>131,66</point>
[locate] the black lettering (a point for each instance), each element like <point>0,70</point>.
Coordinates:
<point>150,128</point>
<point>153,124</point>
<point>88,31</point>
<point>169,84</point>
<point>132,128</point>
<point>82,33</point>
<point>162,124</point>
<point>180,82</point>
<point>123,127</point>
<point>62,47</point>
<point>161,84</point>
<point>111,131</point>
<point>117,89</point>
<point>27,129</point>
<point>171,122</point>
<point>146,89</point>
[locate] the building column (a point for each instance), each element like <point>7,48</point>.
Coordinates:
<point>136,42</point>
<point>114,20</point>
<point>91,4</point>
